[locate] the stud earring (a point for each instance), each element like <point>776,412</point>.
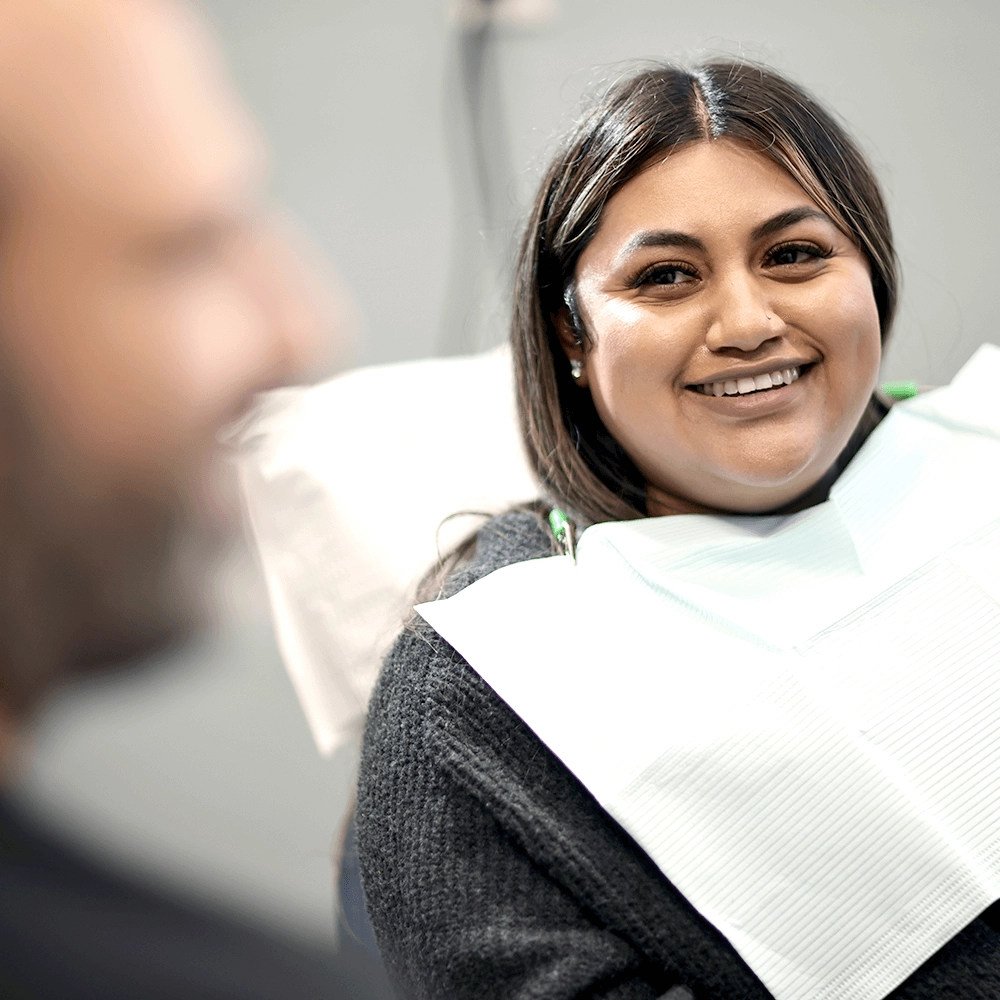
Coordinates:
<point>576,367</point>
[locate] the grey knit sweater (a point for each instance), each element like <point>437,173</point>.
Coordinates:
<point>489,871</point>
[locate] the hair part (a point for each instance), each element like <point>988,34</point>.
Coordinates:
<point>708,105</point>
<point>638,120</point>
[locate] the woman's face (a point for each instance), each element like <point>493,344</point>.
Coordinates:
<point>712,271</point>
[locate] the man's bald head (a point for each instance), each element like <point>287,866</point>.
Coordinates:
<point>145,296</point>
<point>144,82</point>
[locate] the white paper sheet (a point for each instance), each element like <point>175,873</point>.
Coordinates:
<point>347,485</point>
<point>798,718</point>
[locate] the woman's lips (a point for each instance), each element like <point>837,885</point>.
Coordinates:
<point>760,395</point>
<point>746,386</point>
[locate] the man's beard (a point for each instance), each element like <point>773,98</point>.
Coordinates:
<point>92,580</point>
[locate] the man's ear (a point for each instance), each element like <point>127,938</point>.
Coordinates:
<point>572,345</point>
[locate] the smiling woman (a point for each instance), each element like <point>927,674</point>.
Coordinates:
<point>704,289</point>
<point>737,279</point>
<point>726,224</point>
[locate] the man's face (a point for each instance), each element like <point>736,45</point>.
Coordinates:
<point>145,297</point>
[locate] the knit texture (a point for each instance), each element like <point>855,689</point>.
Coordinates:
<point>489,871</point>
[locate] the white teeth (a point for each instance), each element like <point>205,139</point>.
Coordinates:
<point>733,387</point>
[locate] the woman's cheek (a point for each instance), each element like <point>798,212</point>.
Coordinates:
<point>634,384</point>
<point>848,311</point>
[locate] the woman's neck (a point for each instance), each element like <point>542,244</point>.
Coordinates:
<point>659,503</point>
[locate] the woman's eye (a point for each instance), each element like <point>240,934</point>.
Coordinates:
<point>666,276</point>
<point>795,255</point>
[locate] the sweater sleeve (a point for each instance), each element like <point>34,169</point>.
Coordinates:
<point>452,807</point>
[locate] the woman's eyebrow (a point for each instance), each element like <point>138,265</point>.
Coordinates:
<point>667,238</point>
<point>786,219</point>
<point>660,238</point>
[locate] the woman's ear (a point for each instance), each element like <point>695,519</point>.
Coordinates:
<point>572,345</point>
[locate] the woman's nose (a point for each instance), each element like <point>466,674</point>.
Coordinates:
<point>742,317</point>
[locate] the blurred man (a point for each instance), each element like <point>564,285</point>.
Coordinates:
<point>145,297</point>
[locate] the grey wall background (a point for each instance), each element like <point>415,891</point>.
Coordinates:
<point>201,773</point>
<point>357,98</point>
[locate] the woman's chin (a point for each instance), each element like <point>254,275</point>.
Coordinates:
<point>777,464</point>
<point>756,489</point>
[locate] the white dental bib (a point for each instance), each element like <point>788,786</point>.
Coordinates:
<point>797,718</point>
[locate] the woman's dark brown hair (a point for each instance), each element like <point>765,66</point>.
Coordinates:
<point>638,120</point>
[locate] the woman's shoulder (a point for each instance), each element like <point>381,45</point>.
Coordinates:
<point>513,537</point>
<point>423,676</point>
